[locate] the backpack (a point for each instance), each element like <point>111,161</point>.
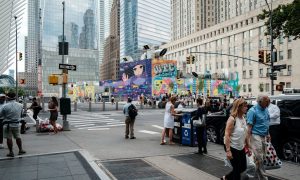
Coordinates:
<point>132,111</point>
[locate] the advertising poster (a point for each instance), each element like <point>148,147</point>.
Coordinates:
<point>164,76</point>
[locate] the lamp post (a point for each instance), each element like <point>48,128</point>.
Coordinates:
<point>66,126</point>
<point>271,46</point>
<point>16,25</point>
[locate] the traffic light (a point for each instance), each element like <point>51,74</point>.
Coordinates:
<point>53,79</point>
<point>193,59</point>
<point>261,56</point>
<point>20,56</point>
<point>279,87</point>
<point>22,81</point>
<point>188,60</point>
<point>268,57</point>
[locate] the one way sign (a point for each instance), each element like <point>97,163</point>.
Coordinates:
<point>67,66</point>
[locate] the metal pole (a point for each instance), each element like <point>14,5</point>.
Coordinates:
<point>271,51</point>
<point>17,94</point>
<point>65,122</point>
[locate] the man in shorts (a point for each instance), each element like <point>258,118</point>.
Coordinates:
<point>11,113</point>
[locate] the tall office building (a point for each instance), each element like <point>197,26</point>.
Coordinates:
<point>80,32</point>
<point>143,22</point>
<point>103,14</point>
<point>242,36</point>
<point>191,16</point>
<point>110,65</point>
<point>9,9</point>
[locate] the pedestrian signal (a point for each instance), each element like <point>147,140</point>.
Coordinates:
<point>22,81</point>
<point>261,56</point>
<point>279,87</point>
<point>20,56</point>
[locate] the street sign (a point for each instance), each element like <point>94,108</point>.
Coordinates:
<point>67,66</point>
<point>279,67</point>
<point>271,74</point>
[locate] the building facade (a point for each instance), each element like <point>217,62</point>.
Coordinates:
<point>241,36</point>
<point>192,16</point>
<point>110,65</point>
<point>143,22</point>
<point>8,10</point>
<point>80,32</point>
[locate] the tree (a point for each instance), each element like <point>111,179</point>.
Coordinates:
<point>285,20</point>
<point>200,85</point>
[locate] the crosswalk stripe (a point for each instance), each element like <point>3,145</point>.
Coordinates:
<point>95,127</point>
<point>149,132</point>
<point>84,125</point>
<point>82,119</point>
<point>156,126</point>
<point>115,123</point>
<point>112,120</point>
<point>98,129</point>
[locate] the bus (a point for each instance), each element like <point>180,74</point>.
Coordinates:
<point>291,91</point>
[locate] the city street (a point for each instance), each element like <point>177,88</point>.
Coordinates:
<point>100,135</point>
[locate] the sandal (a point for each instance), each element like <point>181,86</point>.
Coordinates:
<point>162,143</point>
<point>223,178</point>
<point>171,143</point>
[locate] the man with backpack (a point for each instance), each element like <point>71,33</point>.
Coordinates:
<point>130,112</point>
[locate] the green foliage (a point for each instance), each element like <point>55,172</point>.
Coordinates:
<point>238,88</point>
<point>285,20</point>
<point>171,85</point>
<point>5,90</point>
<point>200,85</point>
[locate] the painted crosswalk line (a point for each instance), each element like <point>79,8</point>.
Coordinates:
<point>148,132</point>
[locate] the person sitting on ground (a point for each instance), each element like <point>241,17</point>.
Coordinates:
<point>11,113</point>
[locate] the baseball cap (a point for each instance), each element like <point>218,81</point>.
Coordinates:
<point>2,95</point>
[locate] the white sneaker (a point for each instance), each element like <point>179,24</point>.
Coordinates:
<point>1,146</point>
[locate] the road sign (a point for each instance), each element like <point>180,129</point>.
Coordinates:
<point>67,66</point>
<point>279,67</point>
<point>271,74</point>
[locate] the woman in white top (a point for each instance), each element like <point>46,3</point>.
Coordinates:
<point>169,120</point>
<point>235,139</point>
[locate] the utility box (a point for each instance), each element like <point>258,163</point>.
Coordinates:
<point>65,106</point>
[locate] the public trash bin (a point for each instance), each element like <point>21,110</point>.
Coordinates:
<point>177,130</point>
<point>188,131</point>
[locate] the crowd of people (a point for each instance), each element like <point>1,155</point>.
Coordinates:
<point>246,130</point>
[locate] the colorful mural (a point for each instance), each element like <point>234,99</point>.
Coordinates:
<point>163,76</point>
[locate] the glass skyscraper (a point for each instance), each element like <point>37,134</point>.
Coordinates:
<point>143,22</point>
<point>81,33</point>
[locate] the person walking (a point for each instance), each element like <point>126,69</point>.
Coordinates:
<point>235,140</point>
<point>258,120</point>
<point>169,121</point>
<point>129,119</point>
<point>201,130</point>
<point>53,108</point>
<point>35,108</point>
<point>2,101</point>
<point>11,113</point>
<point>274,128</point>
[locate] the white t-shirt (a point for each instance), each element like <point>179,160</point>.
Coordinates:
<point>238,136</point>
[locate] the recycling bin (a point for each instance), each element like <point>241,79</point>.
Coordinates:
<point>188,131</point>
<point>177,130</point>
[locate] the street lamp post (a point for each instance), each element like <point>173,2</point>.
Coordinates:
<point>16,26</point>
<point>66,126</point>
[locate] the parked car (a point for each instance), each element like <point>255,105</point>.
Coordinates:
<point>289,142</point>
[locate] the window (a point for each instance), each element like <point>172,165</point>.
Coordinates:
<point>267,87</point>
<point>280,55</point>
<point>261,72</point>
<point>249,88</point>
<point>280,39</point>
<point>235,64</point>
<point>244,88</point>
<point>229,63</point>
<point>251,73</point>
<point>244,74</point>
<point>289,54</point>
<point>261,43</point>
<point>289,70</point>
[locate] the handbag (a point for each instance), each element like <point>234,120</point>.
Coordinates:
<point>271,160</point>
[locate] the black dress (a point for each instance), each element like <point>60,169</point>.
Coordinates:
<point>201,132</point>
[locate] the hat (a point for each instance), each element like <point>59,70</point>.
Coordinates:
<point>2,95</point>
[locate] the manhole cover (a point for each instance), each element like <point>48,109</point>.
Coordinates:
<point>134,169</point>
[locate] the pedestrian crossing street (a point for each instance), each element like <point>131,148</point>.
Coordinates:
<point>101,122</point>
<point>93,121</point>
